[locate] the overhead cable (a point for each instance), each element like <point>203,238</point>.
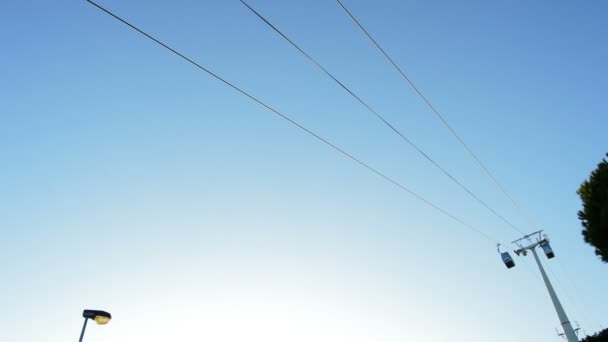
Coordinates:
<point>295,123</point>
<point>380,117</point>
<point>438,115</point>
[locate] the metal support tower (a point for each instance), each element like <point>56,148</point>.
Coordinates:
<point>544,243</point>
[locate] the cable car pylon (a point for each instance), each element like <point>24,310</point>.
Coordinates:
<point>530,246</point>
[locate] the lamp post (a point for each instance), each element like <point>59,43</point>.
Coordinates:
<point>100,317</point>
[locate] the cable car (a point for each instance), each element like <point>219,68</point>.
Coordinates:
<point>547,249</point>
<point>506,258</point>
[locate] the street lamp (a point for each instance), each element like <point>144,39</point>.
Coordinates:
<point>100,317</point>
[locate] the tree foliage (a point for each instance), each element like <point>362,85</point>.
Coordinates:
<point>594,215</point>
<point>601,336</point>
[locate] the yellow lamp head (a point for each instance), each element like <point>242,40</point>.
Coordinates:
<point>102,319</point>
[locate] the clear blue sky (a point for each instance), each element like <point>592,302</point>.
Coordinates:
<point>132,182</point>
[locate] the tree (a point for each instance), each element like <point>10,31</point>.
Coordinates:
<point>601,336</point>
<point>594,216</point>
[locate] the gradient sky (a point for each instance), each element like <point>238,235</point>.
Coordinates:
<point>133,182</point>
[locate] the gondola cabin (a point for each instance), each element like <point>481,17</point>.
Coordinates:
<point>506,258</point>
<point>547,249</point>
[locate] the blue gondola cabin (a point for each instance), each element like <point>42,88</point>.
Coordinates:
<point>547,249</point>
<point>506,258</point>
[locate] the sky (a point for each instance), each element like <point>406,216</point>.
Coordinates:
<point>133,182</point>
